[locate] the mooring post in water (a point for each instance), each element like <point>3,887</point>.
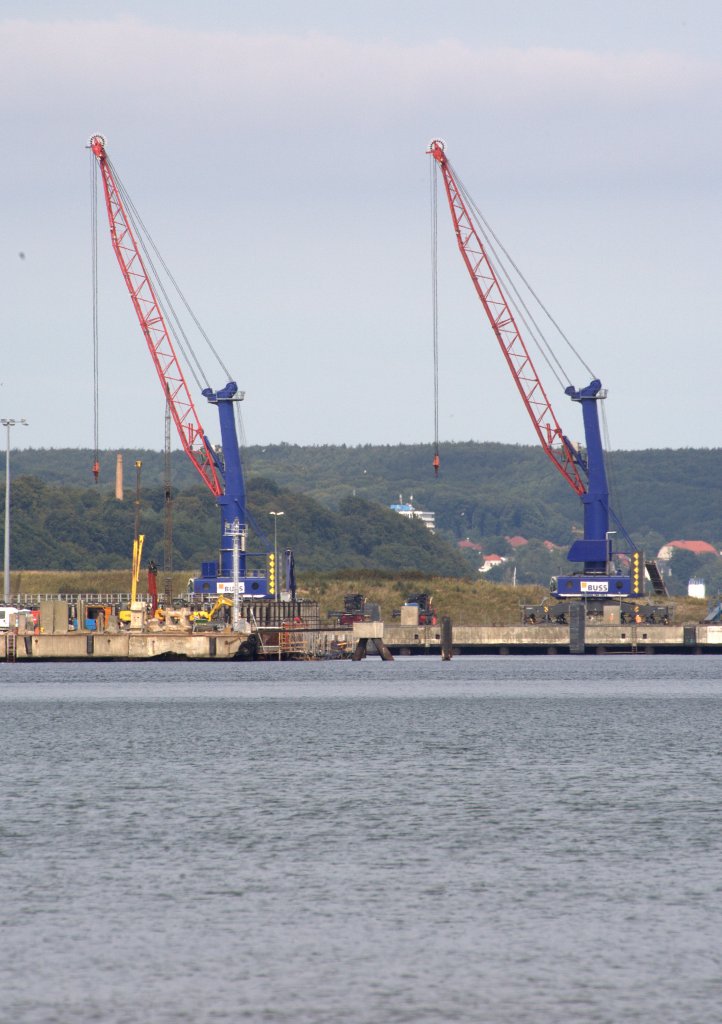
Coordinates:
<point>577,627</point>
<point>373,631</point>
<point>360,651</point>
<point>383,650</point>
<point>446,638</point>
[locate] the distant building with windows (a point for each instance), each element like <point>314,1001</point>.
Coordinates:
<point>407,509</point>
<point>491,562</point>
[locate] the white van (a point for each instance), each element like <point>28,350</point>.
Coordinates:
<point>11,617</point>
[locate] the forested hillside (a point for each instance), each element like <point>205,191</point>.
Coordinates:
<point>484,491</point>
<point>73,528</point>
<point>334,501</point>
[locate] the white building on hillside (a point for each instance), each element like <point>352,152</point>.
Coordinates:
<point>491,562</point>
<point>406,508</point>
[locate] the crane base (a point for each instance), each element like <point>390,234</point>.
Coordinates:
<point>593,586</point>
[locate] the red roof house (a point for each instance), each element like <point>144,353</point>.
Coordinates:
<point>697,547</point>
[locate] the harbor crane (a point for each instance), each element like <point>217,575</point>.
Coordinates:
<point>584,470</point>
<point>221,470</point>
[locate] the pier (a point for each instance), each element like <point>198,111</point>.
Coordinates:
<point>284,636</point>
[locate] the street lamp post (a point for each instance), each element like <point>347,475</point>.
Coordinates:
<point>608,538</point>
<point>234,530</point>
<point>275,549</point>
<point>6,564</point>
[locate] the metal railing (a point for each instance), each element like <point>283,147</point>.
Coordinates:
<point>258,611</point>
<point>32,600</point>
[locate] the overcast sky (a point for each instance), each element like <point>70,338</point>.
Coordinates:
<point>276,152</point>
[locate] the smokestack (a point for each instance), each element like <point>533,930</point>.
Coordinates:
<point>119,476</point>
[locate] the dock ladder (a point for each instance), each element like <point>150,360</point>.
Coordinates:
<point>11,646</point>
<point>633,637</point>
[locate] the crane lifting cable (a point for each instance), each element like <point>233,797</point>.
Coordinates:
<point>147,246</point>
<point>435,306</point>
<point>179,334</point>
<point>94,285</point>
<point>506,270</point>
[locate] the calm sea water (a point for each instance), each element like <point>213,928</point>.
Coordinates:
<point>487,840</point>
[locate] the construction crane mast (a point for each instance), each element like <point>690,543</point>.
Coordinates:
<point>584,471</point>
<point>221,472</point>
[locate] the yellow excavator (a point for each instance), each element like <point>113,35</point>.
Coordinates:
<point>212,615</point>
<point>199,618</point>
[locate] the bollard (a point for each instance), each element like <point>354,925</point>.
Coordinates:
<point>446,638</point>
<point>577,627</point>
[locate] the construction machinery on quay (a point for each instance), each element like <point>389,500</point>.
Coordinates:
<point>605,574</point>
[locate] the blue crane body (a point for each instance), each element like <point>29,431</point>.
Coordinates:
<point>594,548</point>
<point>217,577</point>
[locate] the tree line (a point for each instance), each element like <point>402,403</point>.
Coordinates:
<point>58,527</point>
<point>485,492</point>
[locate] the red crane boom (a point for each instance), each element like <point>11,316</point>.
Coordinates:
<point>504,326</point>
<point>154,327</point>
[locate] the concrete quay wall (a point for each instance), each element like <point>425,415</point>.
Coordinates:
<point>401,640</point>
<point>553,639</point>
<point>119,646</point>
